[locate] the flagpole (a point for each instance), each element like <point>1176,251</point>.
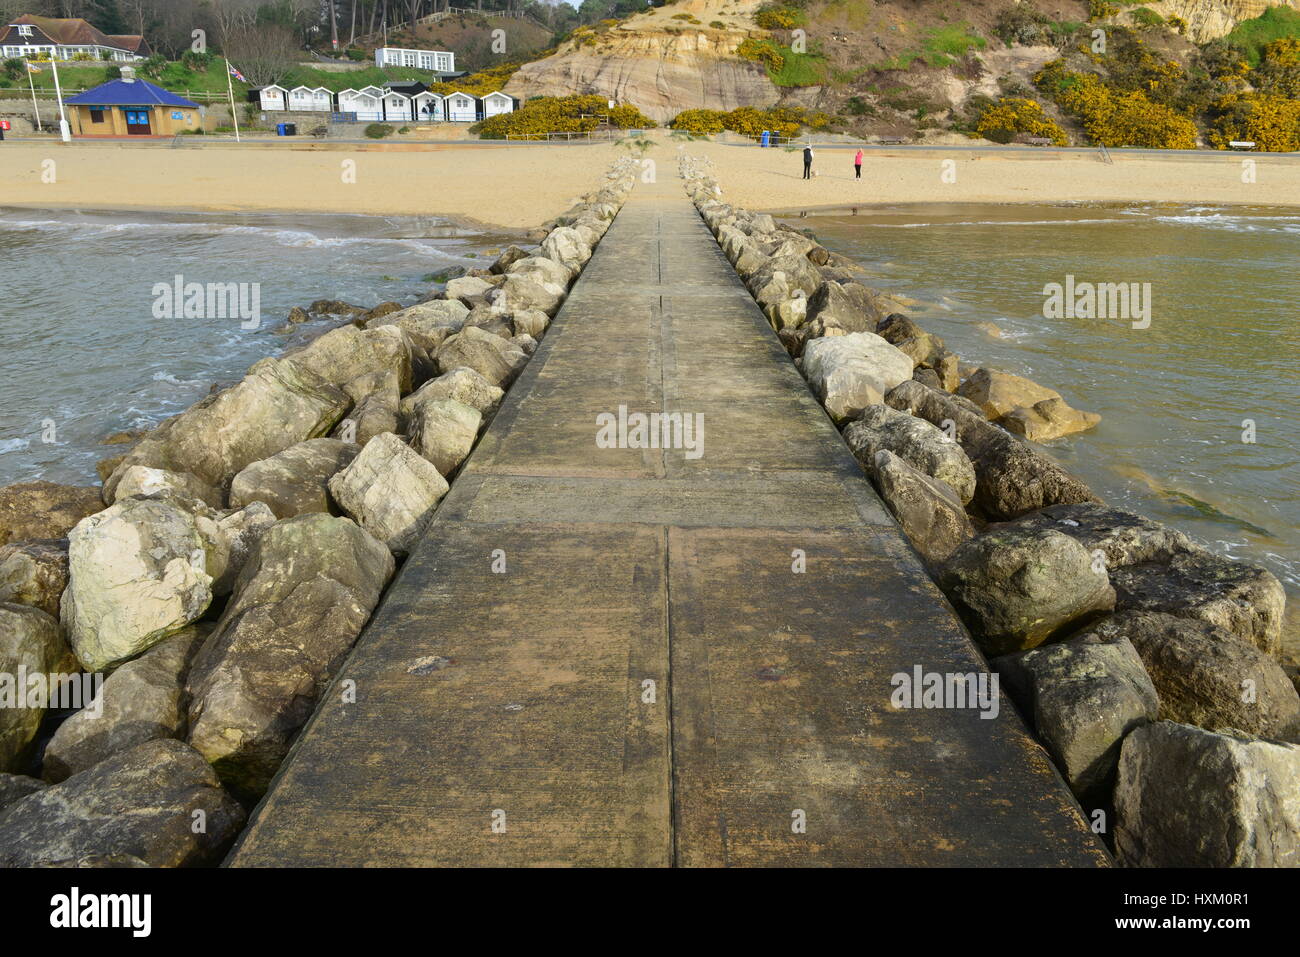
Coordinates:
<point>32,83</point>
<point>230,88</point>
<point>64,130</point>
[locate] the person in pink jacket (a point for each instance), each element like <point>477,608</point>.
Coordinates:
<point>857,165</point>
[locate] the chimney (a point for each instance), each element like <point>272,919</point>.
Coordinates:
<point>128,74</point>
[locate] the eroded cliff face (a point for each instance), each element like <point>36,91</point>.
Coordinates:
<point>1210,19</point>
<point>659,63</point>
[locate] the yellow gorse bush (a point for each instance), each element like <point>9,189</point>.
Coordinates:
<point>746,121</point>
<point>1271,122</point>
<point>1117,117</point>
<point>562,114</point>
<point>1010,116</point>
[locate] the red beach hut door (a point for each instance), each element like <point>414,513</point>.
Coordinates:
<point>137,123</point>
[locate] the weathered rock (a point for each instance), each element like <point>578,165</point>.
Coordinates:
<point>843,306</point>
<point>278,404</point>
<point>1243,599</point>
<point>1016,588</point>
<point>997,393</point>
<point>509,256</point>
<point>302,599</point>
<point>1124,538</point>
<point>34,573</point>
<point>1186,797</point>
<point>491,320</point>
<point>778,278</point>
<point>928,510</point>
<point>531,322</point>
<point>347,352</point>
<point>525,342</point>
<point>927,377</point>
<point>296,480</point>
<point>1049,419</point>
<point>44,510</point>
<point>462,384</point>
<point>467,289</point>
<point>15,787</point>
<point>30,644</point>
<point>229,537</point>
<point>142,480</point>
<point>544,271</point>
<point>917,442</point>
<point>565,245</point>
<point>946,366</point>
<point>525,292</point>
<point>849,373</point>
<point>495,359</point>
<point>1208,677</point>
<point>379,312</point>
<point>1011,478</point>
<point>788,313</point>
<point>428,324</point>
<point>1083,696</point>
<point>137,574</point>
<point>443,431</point>
<point>376,398</point>
<point>336,307</point>
<point>144,699</point>
<point>143,802</point>
<point>390,491</point>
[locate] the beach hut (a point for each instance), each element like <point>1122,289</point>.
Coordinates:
<point>273,97</point>
<point>365,103</point>
<point>494,104</point>
<point>396,106</point>
<point>311,99</point>
<point>461,107</point>
<point>428,107</point>
<point>131,107</point>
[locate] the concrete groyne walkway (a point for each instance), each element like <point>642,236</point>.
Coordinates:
<point>647,657</point>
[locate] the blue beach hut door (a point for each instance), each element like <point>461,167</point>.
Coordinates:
<point>137,122</point>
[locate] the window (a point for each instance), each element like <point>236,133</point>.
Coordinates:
<point>24,29</point>
<point>408,58</point>
<point>426,61</point>
<point>97,114</point>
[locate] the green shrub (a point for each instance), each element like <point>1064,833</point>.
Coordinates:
<point>377,131</point>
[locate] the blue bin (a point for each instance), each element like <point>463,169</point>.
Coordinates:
<point>767,138</point>
<point>279,129</point>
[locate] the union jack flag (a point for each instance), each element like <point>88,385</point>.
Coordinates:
<point>236,74</point>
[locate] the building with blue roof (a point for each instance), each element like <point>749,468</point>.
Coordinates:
<point>131,107</point>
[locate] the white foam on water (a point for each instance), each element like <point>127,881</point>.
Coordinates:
<point>14,445</point>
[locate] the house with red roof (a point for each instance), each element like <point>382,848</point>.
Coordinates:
<point>52,38</point>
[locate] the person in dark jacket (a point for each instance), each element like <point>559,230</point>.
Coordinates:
<point>807,161</point>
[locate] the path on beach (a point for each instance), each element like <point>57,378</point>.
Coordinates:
<point>649,681</point>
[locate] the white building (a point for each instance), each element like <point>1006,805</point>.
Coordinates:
<point>494,104</point>
<point>366,103</point>
<point>32,37</point>
<point>461,107</point>
<point>428,107</point>
<point>437,61</point>
<point>396,106</point>
<point>273,97</point>
<point>311,99</point>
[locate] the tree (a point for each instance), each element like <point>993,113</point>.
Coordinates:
<point>265,52</point>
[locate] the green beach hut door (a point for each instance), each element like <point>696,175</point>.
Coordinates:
<point>137,123</point>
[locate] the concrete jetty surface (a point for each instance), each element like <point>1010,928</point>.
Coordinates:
<point>639,657</point>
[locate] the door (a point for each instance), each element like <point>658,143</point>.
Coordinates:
<point>137,123</point>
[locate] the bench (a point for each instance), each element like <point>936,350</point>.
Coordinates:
<point>319,132</point>
<point>1242,144</point>
<point>1039,141</point>
<point>892,140</point>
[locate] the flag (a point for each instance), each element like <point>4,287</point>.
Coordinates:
<point>236,74</point>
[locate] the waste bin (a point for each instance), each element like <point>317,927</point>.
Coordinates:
<point>291,129</point>
<point>279,129</point>
<point>767,137</point>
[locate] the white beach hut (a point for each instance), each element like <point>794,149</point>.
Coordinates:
<point>311,99</point>
<point>397,106</point>
<point>428,107</point>
<point>461,107</point>
<point>366,103</point>
<point>494,104</point>
<point>273,97</point>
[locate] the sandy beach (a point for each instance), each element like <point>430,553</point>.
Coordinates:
<point>518,186</point>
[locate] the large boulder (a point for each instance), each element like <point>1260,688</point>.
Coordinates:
<point>302,599</point>
<point>1206,676</point>
<point>44,510</point>
<point>1048,419</point>
<point>497,360</point>
<point>142,480</point>
<point>1010,477</point>
<point>918,443</point>
<point>1243,599</point>
<point>159,802</point>
<point>30,644</point>
<point>1083,696</point>
<point>928,510</point>
<point>144,699</point>
<point>565,245</point>
<point>462,384</point>
<point>15,787</point>
<point>34,573</point>
<point>1016,588</point>
<point>468,289</point>
<point>1186,797</point>
<point>376,397</point>
<point>277,404</point>
<point>997,393</point>
<point>780,276</point>
<point>429,323</point>
<point>295,481</point>
<point>526,291</point>
<point>138,573</point>
<point>229,536</point>
<point>840,308</point>
<point>390,491</point>
<point>1123,538</point>
<point>508,257</point>
<point>545,271</point>
<point>345,353</point>
<point>849,373</point>
<point>443,431</point>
